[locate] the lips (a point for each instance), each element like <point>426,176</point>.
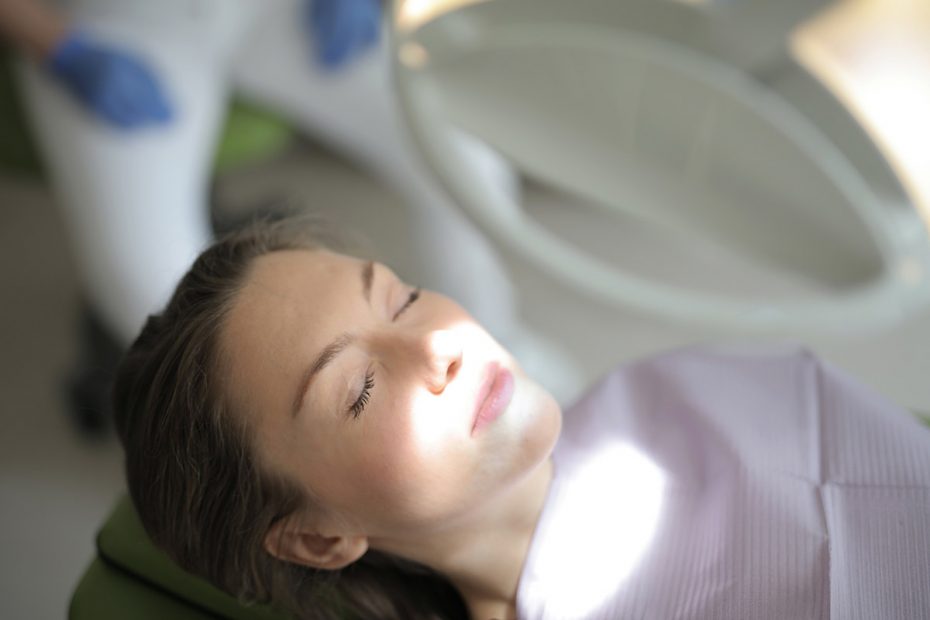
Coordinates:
<point>493,397</point>
<point>490,372</point>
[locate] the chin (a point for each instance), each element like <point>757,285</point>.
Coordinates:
<point>534,418</point>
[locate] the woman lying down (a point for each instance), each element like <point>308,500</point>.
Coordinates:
<point>303,427</point>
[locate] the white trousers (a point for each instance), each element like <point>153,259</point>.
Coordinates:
<point>135,203</point>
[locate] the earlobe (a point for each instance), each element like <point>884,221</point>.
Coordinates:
<point>308,548</point>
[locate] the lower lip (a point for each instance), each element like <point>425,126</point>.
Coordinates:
<point>496,401</point>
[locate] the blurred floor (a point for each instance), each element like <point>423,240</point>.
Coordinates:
<point>56,487</point>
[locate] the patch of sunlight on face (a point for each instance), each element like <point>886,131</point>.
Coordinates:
<point>438,417</point>
<point>625,489</point>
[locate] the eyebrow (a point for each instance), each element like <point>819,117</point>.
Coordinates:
<point>368,276</point>
<point>333,349</point>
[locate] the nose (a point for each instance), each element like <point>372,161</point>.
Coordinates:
<point>444,348</point>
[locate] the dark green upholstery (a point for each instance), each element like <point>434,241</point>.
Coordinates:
<point>106,593</point>
<point>130,578</point>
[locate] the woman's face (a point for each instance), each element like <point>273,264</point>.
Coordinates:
<point>383,434</point>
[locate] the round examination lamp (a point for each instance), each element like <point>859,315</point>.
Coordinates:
<point>717,134</point>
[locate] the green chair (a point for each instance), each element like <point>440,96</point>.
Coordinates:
<point>130,578</point>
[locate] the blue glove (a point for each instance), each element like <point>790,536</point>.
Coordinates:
<point>342,28</point>
<point>114,84</point>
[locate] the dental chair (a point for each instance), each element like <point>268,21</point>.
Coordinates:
<point>130,578</point>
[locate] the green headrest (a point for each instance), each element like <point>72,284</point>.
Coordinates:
<point>123,543</point>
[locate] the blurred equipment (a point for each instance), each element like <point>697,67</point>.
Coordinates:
<point>746,163</point>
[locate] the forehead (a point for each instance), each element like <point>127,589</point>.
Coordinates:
<point>294,281</point>
<point>277,272</point>
<point>290,306</point>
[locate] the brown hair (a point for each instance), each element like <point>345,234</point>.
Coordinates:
<point>201,495</point>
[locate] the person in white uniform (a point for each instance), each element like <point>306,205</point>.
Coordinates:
<point>305,428</point>
<point>128,97</point>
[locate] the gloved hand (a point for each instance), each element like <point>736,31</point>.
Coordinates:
<point>114,84</point>
<point>342,28</point>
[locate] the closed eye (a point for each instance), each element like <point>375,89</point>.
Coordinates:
<point>412,298</point>
<point>359,405</point>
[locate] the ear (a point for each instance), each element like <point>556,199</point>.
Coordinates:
<point>290,542</point>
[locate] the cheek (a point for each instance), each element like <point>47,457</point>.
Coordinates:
<point>415,464</point>
<point>415,467</point>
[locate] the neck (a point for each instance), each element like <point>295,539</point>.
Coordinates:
<point>484,559</point>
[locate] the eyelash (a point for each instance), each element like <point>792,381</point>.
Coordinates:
<point>359,405</point>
